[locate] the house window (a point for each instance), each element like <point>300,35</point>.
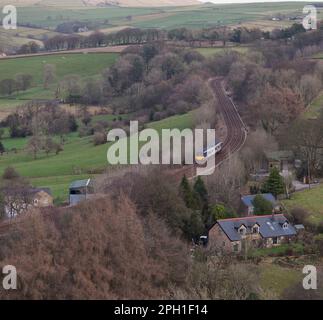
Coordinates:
<point>242,231</point>
<point>236,247</point>
<point>255,230</point>
<point>275,240</point>
<point>223,244</point>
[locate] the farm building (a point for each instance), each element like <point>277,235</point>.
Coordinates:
<point>231,235</point>
<point>79,191</point>
<point>282,160</point>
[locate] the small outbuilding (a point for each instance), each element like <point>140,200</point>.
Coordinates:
<point>42,197</point>
<point>79,191</point>
<point>282,160</point>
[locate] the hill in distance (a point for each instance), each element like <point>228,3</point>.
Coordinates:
<point>101,3</point>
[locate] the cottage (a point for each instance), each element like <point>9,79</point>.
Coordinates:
<point>231,235</point>
<point>42,197</point>
<point>79,191</point>
<point>246,203</point>
<point>27,199</point>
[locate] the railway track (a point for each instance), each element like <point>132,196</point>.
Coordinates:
<point>236,129</point>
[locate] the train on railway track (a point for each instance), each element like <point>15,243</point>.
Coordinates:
<point>208,152</point>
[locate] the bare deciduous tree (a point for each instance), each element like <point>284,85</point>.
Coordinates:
<point>224,185</point>
<point>49,75</point>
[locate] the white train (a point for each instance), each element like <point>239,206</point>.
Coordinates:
<point>209,152</point>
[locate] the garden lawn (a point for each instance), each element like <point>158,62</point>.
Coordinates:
<point>311,200</point>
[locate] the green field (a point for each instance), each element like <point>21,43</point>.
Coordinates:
<point>209,52</point>
<point>311,200</point>
<point>180,122</point>
<point>84,65</point>
<point>79,159</point>
<point>50,17</point>
<point>200,16</point>
<point>39,21</point>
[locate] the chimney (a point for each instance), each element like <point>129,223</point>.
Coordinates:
<point>273,215</point>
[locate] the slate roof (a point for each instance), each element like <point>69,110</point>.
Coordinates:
<point>247,200</point>
<point>80,184</point>
<point>36,190</point>
<point>270,226</point>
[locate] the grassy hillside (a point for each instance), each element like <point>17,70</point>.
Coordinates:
<point>79,159</point>
<point>10,41</point>
<point>84,65</point>
<point>311,200</point>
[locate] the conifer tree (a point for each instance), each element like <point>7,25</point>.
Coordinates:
<point>200,189</point>
<point>274,183</point>
<point>187,193</point>
<point>261,206</point>
<point>201,195</point>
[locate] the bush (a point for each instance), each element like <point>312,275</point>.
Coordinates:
<point>319,228</point>
<point>99,138</point>
<point>85,131</point>
<point>299,215</point>
<point>10,173</point>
